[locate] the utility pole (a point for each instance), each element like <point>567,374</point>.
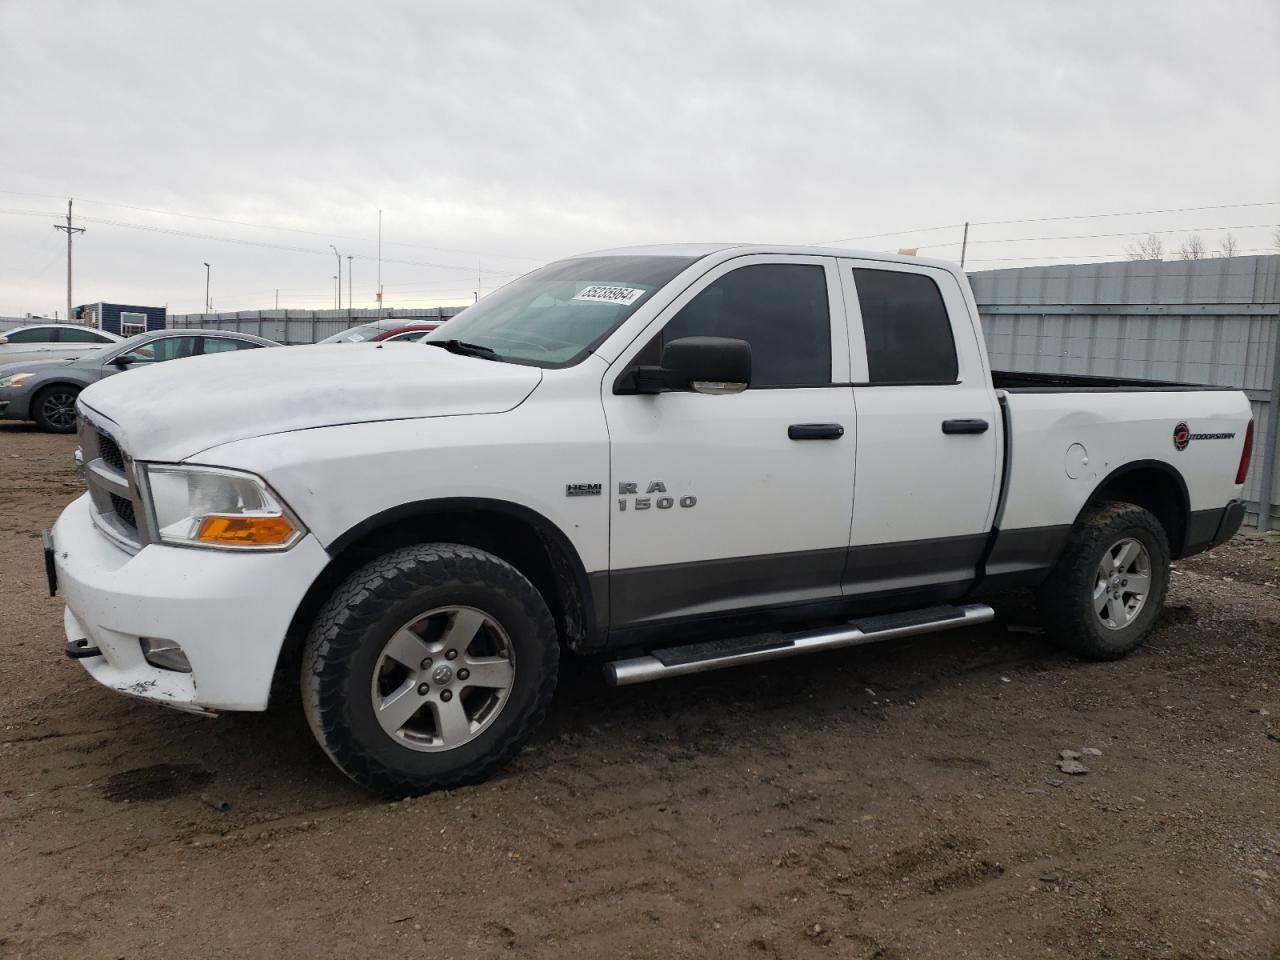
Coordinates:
<point>348,283</point>
<point>964,243</point>
<point>206,288</point>
<point>277,298</point>
<point>337,297</point>
<point>337,284</point>
<point>379,262</point>
<point>70,232</point>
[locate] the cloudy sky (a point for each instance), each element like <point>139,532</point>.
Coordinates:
<point>495,136</point>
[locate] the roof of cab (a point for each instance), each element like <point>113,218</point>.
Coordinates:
<point>723,251</point>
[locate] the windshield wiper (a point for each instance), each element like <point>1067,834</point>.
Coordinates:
<point>462,348</point>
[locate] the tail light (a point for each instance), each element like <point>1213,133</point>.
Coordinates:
<point>1246,454</point>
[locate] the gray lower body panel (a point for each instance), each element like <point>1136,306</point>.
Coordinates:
<point>711,587</point>
<point>872,577</point>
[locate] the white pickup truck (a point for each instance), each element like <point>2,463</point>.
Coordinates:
<point>671,459</point>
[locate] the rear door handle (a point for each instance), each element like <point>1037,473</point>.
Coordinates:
<point>815,431</point>
<point>965,426</point>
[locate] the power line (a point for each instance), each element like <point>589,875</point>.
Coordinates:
<point>1134,213</point>
<point>1095,236</point>
<point>1074,216</point>
<point>891,233</point>
<point>1114,255</point>
<point>268,226</point>
<point>265,244</point>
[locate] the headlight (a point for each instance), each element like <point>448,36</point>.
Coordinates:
<point>212,507</point>
<point>17,380</point>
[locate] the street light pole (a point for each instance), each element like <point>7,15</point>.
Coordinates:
<point>337,285</point>
<point>206,288</point>
<point>348,283</point>
<point>337,299</point>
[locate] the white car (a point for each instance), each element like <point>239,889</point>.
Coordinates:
<point>670,459</point>
<point>51,341</point>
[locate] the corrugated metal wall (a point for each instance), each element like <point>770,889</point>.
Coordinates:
<point>1202,321</point>
<point>302,326</point>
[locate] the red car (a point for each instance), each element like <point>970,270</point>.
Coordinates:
<point>382,330</point>
<point>409,333</point>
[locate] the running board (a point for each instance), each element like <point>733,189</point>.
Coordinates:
<point>716,654</point>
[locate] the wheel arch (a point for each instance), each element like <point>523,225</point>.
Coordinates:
<point>38,391</point>
<point>1157,487</point>
<point>523,537</point>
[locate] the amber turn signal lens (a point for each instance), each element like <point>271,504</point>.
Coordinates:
<point>245,531</point>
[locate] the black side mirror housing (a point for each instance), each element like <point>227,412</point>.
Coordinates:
<point>120,362</point>
<point>711,365</point>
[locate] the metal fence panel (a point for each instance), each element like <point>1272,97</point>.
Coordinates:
<point>302,326</point>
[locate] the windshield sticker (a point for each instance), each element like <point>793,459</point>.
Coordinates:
<point>602,293</point>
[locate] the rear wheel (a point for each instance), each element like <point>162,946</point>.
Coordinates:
<point>54,408</point>
<point>429,668</point>
<point>1106,590</point>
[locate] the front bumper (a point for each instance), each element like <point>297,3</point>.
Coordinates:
<point>13,403</point>
<point>228,611</point>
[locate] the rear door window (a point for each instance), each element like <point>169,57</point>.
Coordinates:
<point>81,335</point>
<point>223,345</point>
<point>158,351</point>
<point>36,335</point>
<point>906,327</point>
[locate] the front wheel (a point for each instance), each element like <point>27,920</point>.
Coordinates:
<point>54,408</point>
<point>1107,588</point>
<point>429,668</point>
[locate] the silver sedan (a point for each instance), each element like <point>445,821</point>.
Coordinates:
<point>45,390</point>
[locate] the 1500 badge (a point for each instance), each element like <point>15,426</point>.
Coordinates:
<point>647,500</point>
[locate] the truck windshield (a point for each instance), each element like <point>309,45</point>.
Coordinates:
<point>557,315</point>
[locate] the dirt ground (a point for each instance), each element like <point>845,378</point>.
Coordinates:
<point>895,801</point>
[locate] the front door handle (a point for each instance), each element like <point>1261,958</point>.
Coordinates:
<point>965,426</point>
<point>815,431</point>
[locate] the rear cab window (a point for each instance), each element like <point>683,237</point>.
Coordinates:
<point>906,326</point>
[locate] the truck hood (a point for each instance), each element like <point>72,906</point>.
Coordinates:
<point>171,411</point>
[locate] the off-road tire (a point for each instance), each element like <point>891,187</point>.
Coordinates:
<point>41,400</point>
<point>350,631</point>
<point>1065,599</point>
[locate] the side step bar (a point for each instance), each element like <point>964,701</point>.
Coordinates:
<point>701,657</point>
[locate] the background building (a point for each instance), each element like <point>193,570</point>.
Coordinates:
<point>120,318</point>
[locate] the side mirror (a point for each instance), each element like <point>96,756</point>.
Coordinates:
<point>3,341</point>
<point>712,365</point>
<point>121,361</point>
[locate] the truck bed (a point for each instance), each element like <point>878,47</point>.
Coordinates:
<point>1025,382</point>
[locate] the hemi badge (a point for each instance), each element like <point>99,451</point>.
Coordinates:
<point>582,489</point>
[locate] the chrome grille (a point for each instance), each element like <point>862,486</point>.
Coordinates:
<point>109,475</point>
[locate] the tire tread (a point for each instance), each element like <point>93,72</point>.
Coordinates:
<point>357,606</point>
<point>1072,624</point>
